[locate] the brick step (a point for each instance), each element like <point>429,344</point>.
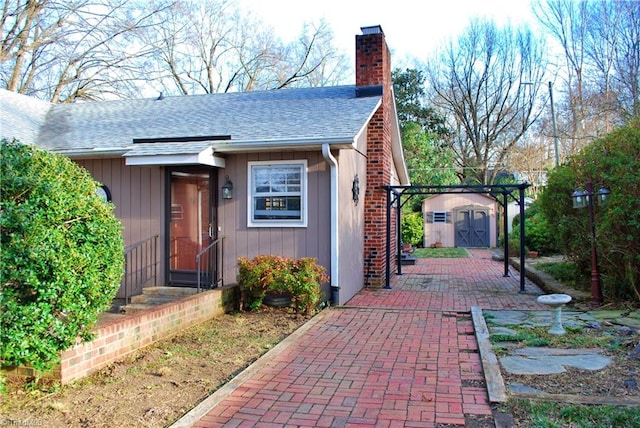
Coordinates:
<point>170,291</point>
<point>154,299</point>
<point>133,308</point>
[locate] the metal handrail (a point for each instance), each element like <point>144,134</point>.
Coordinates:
<point>218,279</point>
<point>140,265</point>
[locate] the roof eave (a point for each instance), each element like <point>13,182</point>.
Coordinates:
<point>396,147</point>
<point>97,152</point>
<point>281,145</point>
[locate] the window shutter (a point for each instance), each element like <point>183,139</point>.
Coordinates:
<point>428,217</point>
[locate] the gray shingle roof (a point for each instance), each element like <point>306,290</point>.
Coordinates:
<point>311,114</point>
<point>21,117</point>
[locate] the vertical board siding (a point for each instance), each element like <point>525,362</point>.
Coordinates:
<point>137,194</point>
<point>350,224</point>
<point>243,241</point>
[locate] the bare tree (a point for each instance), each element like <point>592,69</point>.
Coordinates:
<point>566,21</point>
<point>600,42</point>
<point>477,83</point>
<point>210,46</point>
<point>67,50</point>
<point>625,26</point>
<point>530,158</point>
<point>73,49</point>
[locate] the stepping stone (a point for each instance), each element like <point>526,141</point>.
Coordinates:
<point>518,387</point>
<point>541,361</point>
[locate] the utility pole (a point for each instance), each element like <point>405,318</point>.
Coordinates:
<point>555,128</point>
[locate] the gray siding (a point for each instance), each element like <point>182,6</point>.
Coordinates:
<point>351,223</point>
<point>241,241</point>
<point>138,195</point>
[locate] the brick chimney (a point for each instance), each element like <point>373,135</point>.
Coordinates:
<point>373,67</point>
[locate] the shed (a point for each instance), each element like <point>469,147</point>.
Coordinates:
<point>460,220</point>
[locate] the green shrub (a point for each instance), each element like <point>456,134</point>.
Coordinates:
<point>612,161</point>
<point>514,247</point>
<point>299,278</point>
<point>412,228</point>
<point>538,235</point>
<point>566,272</point>
<point>62,255</point>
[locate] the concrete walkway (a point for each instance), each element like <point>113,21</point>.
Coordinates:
<point>405,357</point>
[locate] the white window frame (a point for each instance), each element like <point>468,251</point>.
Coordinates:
<point>439,217</point>
<point>254,166</point>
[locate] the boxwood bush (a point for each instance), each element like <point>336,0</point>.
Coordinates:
<point>62,255</point>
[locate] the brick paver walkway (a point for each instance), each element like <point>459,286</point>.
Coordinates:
<point>405,357</point>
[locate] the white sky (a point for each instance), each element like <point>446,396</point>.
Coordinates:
<point>413,28</point>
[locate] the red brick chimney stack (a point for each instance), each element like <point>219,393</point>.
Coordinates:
<point>373,67</point>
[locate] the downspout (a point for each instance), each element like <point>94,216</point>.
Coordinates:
<point>335,251</point>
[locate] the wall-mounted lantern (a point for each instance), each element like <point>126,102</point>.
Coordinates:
<point>227,188</point>
<point>355,189</point>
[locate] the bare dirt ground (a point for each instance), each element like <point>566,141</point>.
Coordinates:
<point>160,383</point>
<point>620,379</point>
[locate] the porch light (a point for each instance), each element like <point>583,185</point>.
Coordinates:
<point>579,199</point>
<point>227,189</point>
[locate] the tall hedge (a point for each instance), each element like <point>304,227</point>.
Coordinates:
<point>612,161</point>
<point>61,258</point>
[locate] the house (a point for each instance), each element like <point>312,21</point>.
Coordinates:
<point>460,220</point>
<point>201,180</point>
<point>513,210</point>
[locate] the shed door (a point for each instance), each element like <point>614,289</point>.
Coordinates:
<point>472,228</point>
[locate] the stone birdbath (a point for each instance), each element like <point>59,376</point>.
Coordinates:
<point>556,302</point>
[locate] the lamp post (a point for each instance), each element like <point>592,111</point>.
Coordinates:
<point>584,199</point>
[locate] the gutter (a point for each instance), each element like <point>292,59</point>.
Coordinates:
<point>245,146</point>
<point>335,250</point>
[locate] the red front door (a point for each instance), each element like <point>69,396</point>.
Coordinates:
<point>191,225</point>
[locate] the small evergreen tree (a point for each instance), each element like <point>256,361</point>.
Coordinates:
<point>61,258</point>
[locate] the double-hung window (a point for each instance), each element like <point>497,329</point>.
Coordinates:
<point>277,194</point>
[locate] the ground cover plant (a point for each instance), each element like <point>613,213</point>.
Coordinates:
<point>541,414</point>
<point>566,272</point>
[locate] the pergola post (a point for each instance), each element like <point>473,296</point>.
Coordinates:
<point>394,193</point>
<point>522,237</point>
<point>505,225</point>
<point>387,279</point>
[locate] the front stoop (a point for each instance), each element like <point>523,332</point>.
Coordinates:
<point>154,296</point>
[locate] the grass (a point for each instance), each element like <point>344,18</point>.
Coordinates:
<point>445,252</point>
<point>539,336</point>
<point>551,415</point>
